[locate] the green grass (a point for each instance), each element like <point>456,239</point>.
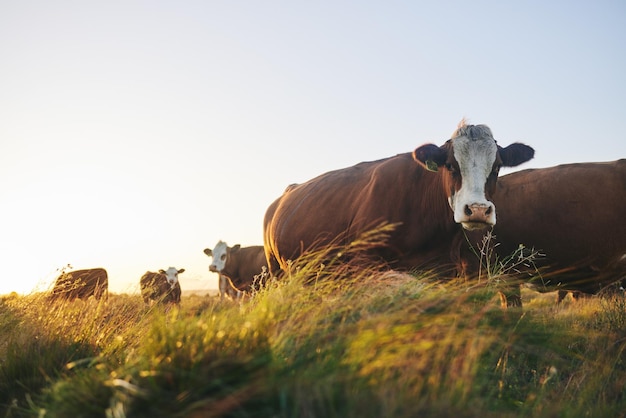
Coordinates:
<point>336,338</point>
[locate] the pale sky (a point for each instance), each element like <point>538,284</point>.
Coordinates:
<point>134,134</point>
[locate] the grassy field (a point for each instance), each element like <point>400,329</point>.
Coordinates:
<point>331,340</point>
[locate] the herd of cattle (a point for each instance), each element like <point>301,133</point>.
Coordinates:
<point>573,214</point>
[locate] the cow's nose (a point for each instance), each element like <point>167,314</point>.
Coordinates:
<point>478,212</point>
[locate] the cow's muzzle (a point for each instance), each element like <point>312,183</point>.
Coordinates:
<point>478,216</point>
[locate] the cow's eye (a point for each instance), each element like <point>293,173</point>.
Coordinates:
<point>452,169</point>
<point>223,257</point>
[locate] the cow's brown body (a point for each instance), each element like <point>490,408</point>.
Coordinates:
<point>338,206</point>
<point>81,284</point>
<point>156,289</point>
<point>241,266</point>
<point>574,214</point>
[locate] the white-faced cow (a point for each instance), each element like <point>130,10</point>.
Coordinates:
<point>81,284</point>
<point>574,214</point>
<point>162,287</point>
<point>428,192</point>
<point>237,267</point>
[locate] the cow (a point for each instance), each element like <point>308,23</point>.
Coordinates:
<point>237,267</point>
<point>427,192</point>
<point>162,287</point>
<point>573,215</point>
<point>81,284</point>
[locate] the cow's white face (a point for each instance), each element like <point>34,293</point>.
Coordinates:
<point>171,274</point>
<point>476,159</point>
<point>472,160</point>
<point>219,255</point>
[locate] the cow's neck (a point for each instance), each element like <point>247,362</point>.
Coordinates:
<point>232,272</point>
<point>434,226</point>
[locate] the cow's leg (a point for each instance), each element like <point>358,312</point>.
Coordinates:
<point>272,264</point>
<point>232,291</point>
<point>577,295</point>
<point>511,298</point>
<point>223,286</point>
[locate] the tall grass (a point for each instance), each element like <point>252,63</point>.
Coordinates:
<point>337,337</point>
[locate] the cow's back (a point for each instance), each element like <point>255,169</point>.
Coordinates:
<point>152,285</point>
<point>81,284</point>
<point>573,213</point>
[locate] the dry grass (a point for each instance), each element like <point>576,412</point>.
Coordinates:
<point>338,337</point>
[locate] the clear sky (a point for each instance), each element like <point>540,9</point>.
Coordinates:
<point>134,134</point>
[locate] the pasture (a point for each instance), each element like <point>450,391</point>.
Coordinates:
<point>333,339</point>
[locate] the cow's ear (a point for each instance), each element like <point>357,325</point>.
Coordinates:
<point>181,271</point>
<point>208,252</point>
<point>430,156</point>
<point>162,271</point>
<point>236,247</point>
<point>515,154</point>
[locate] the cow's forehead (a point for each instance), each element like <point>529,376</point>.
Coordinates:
<point>474,146</point>
<point>470,152</point>
<point>172,271</point>
<point>220,248</point>
<point>473,132</point>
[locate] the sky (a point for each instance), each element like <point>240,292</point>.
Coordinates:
<point>134,134</point>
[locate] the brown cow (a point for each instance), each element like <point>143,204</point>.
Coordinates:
<point>415,189</point>
<point>574,215</point>
<point>237,267</point>
<point>162,287</point>
<point>81,284</point>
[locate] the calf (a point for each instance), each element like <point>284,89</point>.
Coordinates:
<point>162,287</point>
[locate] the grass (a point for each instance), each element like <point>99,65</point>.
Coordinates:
<point>336,338</point>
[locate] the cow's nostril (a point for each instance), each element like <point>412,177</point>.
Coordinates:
<point>488,212</point>
<point>468,211</point>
